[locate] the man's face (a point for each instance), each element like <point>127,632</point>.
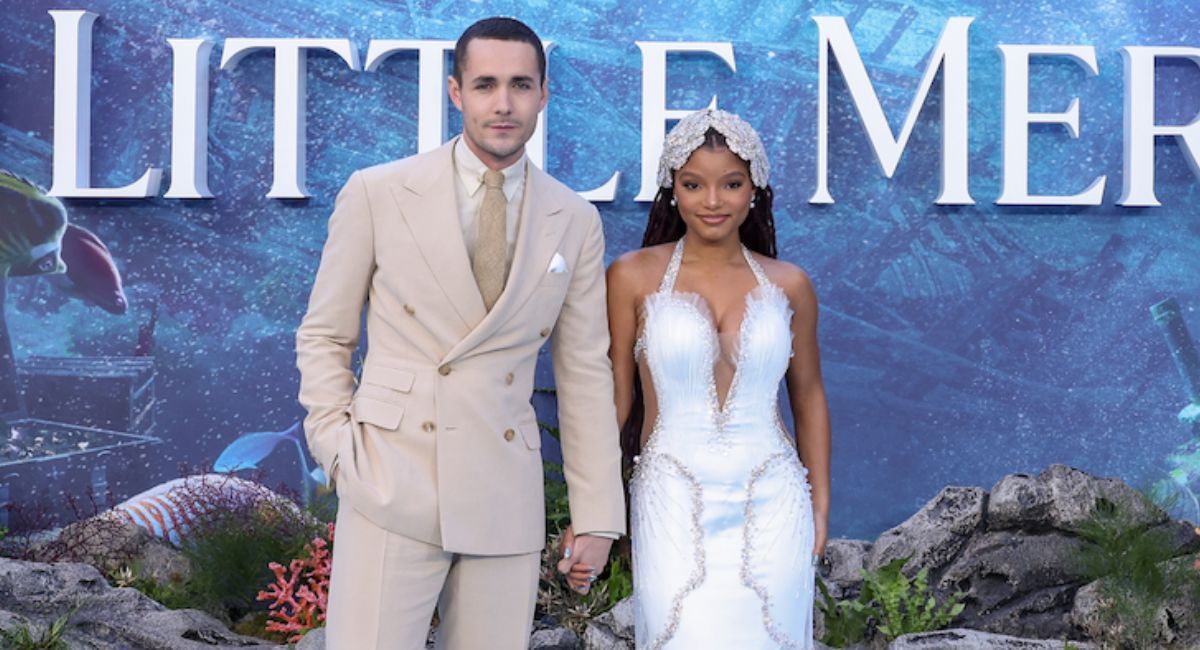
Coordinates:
<point>500,97</point>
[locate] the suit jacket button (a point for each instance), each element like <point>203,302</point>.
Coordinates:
<point>408,309</point>
<point>428,426</point>
<point>444,369</point>
<point>545,332</point>
<point>508,379</point>
<point>508,434</point>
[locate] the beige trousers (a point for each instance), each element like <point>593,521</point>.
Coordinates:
<point>384,588</point>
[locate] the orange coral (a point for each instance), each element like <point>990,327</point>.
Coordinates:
<point>300,592</point>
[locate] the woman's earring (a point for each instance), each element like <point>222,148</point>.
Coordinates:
<point>752,204</point>
<point>672,201</point>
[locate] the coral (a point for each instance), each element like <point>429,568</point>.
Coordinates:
<point>300,592</point>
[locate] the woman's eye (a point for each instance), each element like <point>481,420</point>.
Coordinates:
<point>734,185</point>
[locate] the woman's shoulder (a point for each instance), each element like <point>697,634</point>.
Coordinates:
<point>641,267</point>
<point>793,279</point>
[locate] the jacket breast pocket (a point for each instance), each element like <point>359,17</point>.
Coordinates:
<point>393,378</point>
<point>384,415</point>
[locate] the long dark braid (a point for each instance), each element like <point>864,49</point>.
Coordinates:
<point>664,225</point>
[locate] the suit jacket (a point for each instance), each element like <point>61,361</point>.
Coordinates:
<point>438,441</point>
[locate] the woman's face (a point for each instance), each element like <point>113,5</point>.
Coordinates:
<point>713,193</point>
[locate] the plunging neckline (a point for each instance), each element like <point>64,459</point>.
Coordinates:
<point>702,308</point>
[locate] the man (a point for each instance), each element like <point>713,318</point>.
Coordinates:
<point>470,258</point>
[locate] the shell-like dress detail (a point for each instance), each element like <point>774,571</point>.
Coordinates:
<point>720,506</point>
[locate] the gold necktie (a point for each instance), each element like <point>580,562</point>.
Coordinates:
<point>491,241</point>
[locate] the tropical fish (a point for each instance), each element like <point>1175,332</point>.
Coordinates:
<point>249,449</point>
<point>90,268</point>
<point>31,228</point>
<point>169,510</point>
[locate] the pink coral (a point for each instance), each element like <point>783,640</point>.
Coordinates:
<point>300,592</point>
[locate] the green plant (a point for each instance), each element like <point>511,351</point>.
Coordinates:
<point>230,554</point>
<point>1135,577</point>
<point>22,637</point>
<point>558,508</point>
<point>175,593</point>
<point>905,606</point>
<point>231,559</point>
<point>617,580</point>
<point>846,621</point>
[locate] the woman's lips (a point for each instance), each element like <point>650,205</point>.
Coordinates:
<point>714,219</point>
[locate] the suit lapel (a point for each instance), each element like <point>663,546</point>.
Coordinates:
<point>541,230</point>
<point>427,201</point>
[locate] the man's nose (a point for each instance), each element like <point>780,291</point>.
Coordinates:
<point>503,101</point>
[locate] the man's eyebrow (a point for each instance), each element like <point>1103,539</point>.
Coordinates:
<point>484,79</point>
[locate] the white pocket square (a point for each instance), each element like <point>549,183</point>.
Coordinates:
<point>557,264</point>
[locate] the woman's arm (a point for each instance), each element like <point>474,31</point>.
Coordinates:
<point>807,396</point>
<point>623,288</point>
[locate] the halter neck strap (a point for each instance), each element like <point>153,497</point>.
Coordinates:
<point>672,273</point>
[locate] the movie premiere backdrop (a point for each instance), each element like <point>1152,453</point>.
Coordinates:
<point>996,200</point>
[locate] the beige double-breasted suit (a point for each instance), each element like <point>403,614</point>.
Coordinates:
<point>437,453</point>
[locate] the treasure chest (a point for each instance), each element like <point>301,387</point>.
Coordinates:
<point>52,473</point>
<point>109,393</point>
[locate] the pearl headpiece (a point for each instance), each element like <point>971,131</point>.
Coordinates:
<point>688,135</point>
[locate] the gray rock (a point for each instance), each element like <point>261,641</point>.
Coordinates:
<point>1086,611</point>
<point>1016,583</point>
<point>597,638</point>
<point>1062,498</point>
<point>1183,536</point>
<point>107,617</point>
<point>163,563</point>
<point>559,638</point>
<point>963,639</point>
<point>844,559</point>
<point>314,640</point>
<point>612,630</point>
<point>934,535</point>
<point>1019,501</point>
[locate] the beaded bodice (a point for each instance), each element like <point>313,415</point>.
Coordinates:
<point>680,345</point>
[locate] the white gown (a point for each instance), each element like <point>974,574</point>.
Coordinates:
<point>720,507</point>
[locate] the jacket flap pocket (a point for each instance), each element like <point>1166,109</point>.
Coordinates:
<point>372,411</point>
<point>532,435</point>
<point>393,378</point>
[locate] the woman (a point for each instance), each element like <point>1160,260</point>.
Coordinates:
<point>705,323</point>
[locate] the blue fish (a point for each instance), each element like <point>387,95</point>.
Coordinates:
<point>249,449</point>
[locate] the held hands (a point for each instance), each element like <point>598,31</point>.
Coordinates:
<point>583,558</point>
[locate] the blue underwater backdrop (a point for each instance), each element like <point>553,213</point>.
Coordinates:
<point>959,343</point>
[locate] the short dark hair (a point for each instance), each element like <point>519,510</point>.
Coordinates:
<point>498,28</point>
